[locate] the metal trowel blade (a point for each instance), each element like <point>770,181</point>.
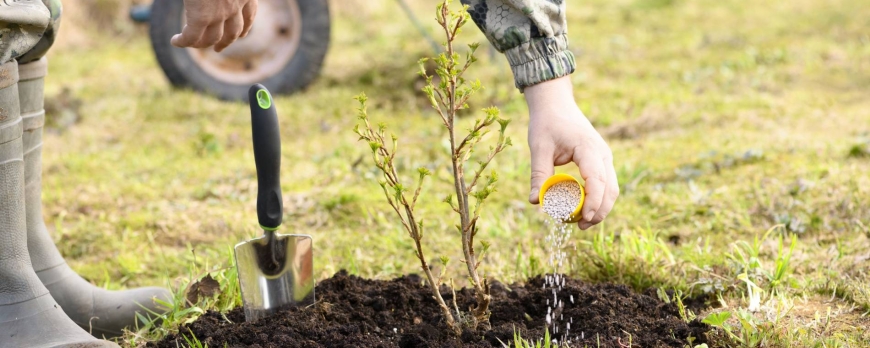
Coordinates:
<point>275,271</point>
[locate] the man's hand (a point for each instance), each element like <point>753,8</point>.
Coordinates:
<point>559,133</point>
<point>215,22</point>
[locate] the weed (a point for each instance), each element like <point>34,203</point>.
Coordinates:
<point>746,261</point>
<point>638,258</point>
<point>860,150</point>
<point>526,267</point>
<point>192,341</point>
<point>520,342</point>
<point>182,311</point>
<point>207,144</point>
<point>780,273</point>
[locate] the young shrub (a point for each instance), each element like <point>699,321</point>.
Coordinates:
<point>397,196</point>
<point>448,96</point>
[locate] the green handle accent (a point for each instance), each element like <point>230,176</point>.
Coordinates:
<point>264,99</point>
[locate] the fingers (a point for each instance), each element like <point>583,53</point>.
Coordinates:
<point>542,168</point>
<point>212,35</point>
<point>249,12</point>
<point>197,36</point>
<point>190,35</point>
<point>594,172</point>
<point>231,30</point>
<point>219,25</point>
<point>611,192</point>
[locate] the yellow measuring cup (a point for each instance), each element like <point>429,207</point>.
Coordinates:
<point>557,178</point>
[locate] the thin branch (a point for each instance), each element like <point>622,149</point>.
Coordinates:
<point>483,166</point>
<point>417,194</point>
<point>437,107</point>
<point>467,154</point>
<point>470,136</point>
<point>471,223</point>
<point>396,209</point>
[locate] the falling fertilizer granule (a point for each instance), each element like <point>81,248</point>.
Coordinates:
<point>559,202</point>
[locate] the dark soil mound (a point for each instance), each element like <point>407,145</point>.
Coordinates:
<point>356,312</point>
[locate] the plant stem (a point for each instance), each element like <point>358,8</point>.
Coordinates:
<point>480,312</point>
<point>436,293</point>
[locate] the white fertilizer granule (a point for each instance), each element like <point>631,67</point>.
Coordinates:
<point>559,202</point>
<point>561,199</point>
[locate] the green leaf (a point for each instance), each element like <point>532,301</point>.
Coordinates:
<point>717,319</point>
<point>493,177</point>
<point>398,190</point>
<point>361,98</point>
<point>503,122</point>
<point>420,229</point>
<point>375,145</point>
<point>422,64</point>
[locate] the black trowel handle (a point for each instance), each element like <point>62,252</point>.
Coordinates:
<point>267,155</point>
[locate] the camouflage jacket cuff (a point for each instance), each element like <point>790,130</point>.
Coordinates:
<point>540,59</point>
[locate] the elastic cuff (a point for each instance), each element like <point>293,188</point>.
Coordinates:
<point>33,70</point>
<point>539,60</point>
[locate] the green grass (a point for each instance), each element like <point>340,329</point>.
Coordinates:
<point>735,127</point>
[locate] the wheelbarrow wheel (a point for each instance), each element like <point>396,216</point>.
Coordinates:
<point>284,50</point>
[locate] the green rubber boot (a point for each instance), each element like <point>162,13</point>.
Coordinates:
<point>101,312</point>
<point>29,316</point>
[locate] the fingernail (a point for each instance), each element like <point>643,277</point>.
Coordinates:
<point>589,216</point>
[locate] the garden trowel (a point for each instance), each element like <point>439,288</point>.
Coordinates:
<point>275,270</point>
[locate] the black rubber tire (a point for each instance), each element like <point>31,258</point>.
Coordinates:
<point>182,71</point>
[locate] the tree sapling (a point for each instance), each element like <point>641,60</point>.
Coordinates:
<point>448,96</point>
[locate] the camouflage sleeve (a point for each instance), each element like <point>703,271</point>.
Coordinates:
<point>531,33</point>
<point>22,23</point>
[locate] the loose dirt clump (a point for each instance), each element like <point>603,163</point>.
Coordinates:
<point>356,312</point>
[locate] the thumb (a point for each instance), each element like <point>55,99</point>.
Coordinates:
<point>542,168</point>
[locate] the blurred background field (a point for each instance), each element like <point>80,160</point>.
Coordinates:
<point>734,125</point>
